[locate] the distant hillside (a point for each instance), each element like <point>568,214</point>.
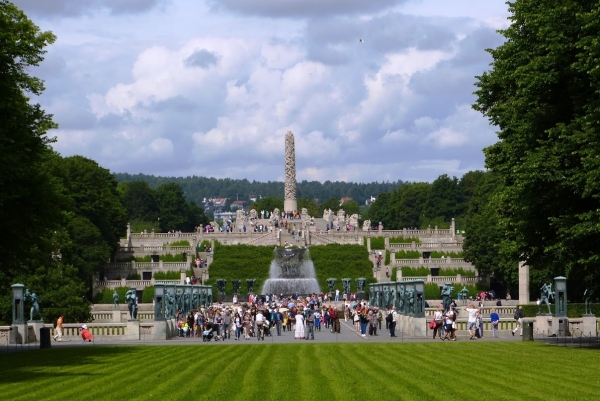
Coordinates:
<point>197,188</point>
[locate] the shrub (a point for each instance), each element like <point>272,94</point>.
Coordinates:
<point>394,275</point>
<point>173,258</point>
<point>387,258</point>
<point>408,254</point>
<point>573,310</point>
<point>377,242</point>
<point>432,291</point>
<point>168,275</point>
<point>148,295</point>
<point>134,276</point>
<point>402,240</point>
<point>106,296</point>
<point>414,271</point>
<point>341,261</point>
<point>438,254</point>
<point>143,259</point>
<point>183,242</point>
<point>455,272</point>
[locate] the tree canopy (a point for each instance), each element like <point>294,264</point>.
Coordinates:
<point>542,93</point>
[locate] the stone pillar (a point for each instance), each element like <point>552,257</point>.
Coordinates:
<point>590,326</point>
<point>369,244</point>
<point>290,204</point>
<point>523,283</point>
<point>387,241</point>
<point>132,331</point>
<point>453,228</point>
<point>116,316</point>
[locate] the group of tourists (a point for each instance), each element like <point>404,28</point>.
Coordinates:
<point>261,317</point>
<point>444,322</point>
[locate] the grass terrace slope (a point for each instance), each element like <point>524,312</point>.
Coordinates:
<point>341,261</point>
<point>240,262</point>
<point>357,371</point>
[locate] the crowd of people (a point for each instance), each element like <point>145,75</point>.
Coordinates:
<point>444,325</point>
<point>275,315</point>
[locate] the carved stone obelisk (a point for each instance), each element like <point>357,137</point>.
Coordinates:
<point>289,204</point>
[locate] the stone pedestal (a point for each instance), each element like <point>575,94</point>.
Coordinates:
<point>220,297</point>
<point>590,326</point>
<point>116,317</point>
<point>560,325</point>
<point>543,325</point>
<point>18,333</point>
<point>523,283</point>
<point>361,295</point>
<point>33,331</point>
<point>132,332</point>
<point>161,330</point>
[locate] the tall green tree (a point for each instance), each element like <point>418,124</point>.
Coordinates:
<point>542,93</point>
<point>268,203</point>
<point>29,203</point>
<point>139,201</point>
<point>310,205</point>
<point>408,205</point>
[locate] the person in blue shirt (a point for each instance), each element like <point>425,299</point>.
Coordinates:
<point>495,320</point>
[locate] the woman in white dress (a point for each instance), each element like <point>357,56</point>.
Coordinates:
<point>299,334</point>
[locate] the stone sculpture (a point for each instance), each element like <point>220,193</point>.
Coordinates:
<point>116,300</point>
<point>290,204</point>
<point>250,283</point>
<point>221,284</point>
<point>203,297</point>
<point>131,299</point>
<point>331,284</point>
<point>169,302</point>
<point>546,294</point>
<point>410,299</point>
<point>346,285</point>
<point>275,216</point>
<point>360,284</point>
<point>327,215</point>
<point>401,297</point>
<point>447,291</point>
<point>588,304</point>
<point>253,214</point>
<point>35,306</point>
<point>353,220</point>
<point>236,286</point>
<point>366,225</point>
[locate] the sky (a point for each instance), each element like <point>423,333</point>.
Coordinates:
<point>210,87</point>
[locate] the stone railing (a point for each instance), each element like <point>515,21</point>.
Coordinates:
<point>138,284</point>
<point>441,280</point>
<point>424,245</point>
<point>437,262</point>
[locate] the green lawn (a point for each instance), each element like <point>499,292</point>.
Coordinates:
<point>350,371</point>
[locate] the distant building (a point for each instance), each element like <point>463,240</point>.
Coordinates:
<point>369,201</point>
<point>345,199</point>
<point>238,204</point>
<point>252,198</point>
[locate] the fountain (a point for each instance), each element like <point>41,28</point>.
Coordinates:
<point>291,272</point>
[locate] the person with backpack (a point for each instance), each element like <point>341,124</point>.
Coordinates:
<point>335,321</point>
<point>519,318</point>
<point>391,321</point>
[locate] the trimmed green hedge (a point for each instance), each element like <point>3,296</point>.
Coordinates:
<point>438,254</point>
<point>408,254</point>
<point>414,271</point>
<point>387,258</point>
<point>143,259</point>
<point>183,242</point>
<point>168,275</point>
<point>402,240</point>
<point>394,275</point>
<point>148,295</point>
<point>106,296</point>
<point>573,310</point>
<point>240,262</point>
<point>134,276</point>
<point>408,271</point>
<point>341,261</point>
<point>376,242</point>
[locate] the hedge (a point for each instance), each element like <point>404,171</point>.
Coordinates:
<point>168,275</point>
<point>438,254</point>
<point>394,275</point>
<point>376,242</point>
<point>408,271</point>
<point>106,296</point>
<point>240,262</point>
<point>408,254</point>
<point>403,240</point>
<point>342,261</point>
<point>387,258</point>
<point>183,242</point>
<point>573,310</point>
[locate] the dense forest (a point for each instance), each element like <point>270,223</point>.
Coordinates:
<point>196,189</point>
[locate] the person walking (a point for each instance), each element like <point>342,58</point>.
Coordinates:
<point>59,325</point>
<point>391,320</point>
<point>519,318</point>
<point>449,325</point>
